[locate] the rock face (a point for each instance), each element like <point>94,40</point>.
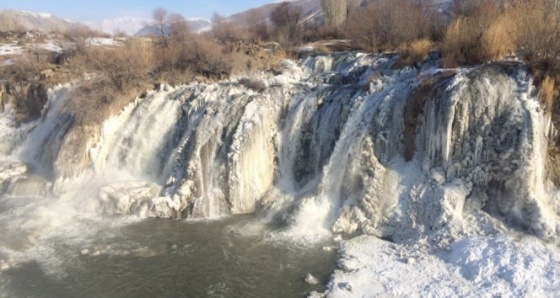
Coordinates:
<point>342,142</point>
<point>27,100</point>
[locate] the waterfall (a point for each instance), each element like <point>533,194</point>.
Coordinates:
<point>344,142</point>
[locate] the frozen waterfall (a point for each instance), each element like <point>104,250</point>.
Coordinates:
<point>344,142</point>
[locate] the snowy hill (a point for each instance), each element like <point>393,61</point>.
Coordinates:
<point>127,24</point>
<point>311,10</point>
<point>17,20</point>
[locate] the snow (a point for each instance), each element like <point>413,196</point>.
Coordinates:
<point>51,45</point>
<point>482,266</point>
<point>101,41</point>
<point>10,49</point>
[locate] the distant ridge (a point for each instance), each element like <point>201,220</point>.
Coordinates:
<point>195,24</point>
<point>24,20</point>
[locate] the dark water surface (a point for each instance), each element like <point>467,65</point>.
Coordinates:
<point>167,258</point>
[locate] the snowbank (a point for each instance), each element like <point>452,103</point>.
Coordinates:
<point>483,266</point>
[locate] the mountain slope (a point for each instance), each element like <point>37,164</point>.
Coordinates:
<point>311,10</point>
<point>23,20</point>
<point>127,24</point>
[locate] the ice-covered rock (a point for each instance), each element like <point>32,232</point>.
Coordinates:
<point>10,172</point>
<point>129,198</point>
<point>310,279</point>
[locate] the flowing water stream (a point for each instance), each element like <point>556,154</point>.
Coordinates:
<point>162,258</point>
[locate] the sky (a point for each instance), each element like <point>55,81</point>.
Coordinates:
<point>97,10</point>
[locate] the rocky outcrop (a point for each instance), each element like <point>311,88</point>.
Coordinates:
<point>34,102</point>
<point>28,100</point>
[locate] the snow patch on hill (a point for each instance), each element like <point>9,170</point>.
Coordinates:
<point>127,24</point>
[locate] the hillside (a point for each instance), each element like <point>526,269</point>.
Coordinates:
<point>127,24</point>
<point>311,10</point>
<point>23,20</point>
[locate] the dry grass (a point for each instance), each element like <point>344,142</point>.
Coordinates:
<point>388,24</point>
<point>500,39</point>
<point>478,39</point>
<point>96,100</point>
<point>547,93</point>
<point>121,72</point>
<point>416,51</point>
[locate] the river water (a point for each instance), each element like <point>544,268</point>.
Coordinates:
<point>126,257</point>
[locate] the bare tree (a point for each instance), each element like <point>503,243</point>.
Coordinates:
<point>220,27</point>
<point>178,28</point>
<point>385,25</point>
<point>353,6</point>
<point>257,24</point>
<point>81,36</point>
<point>335,12</point>
<point>159,19</point>
<point>285,18</point>
<point>172,33</point>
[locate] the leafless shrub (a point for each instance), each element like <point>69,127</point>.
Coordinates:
<point>225,31</point>
<point>204,56</point>
<point>124,66</point>
<point>481,34</point>
<point>96,100</point>
<point>120,34</point>
<point>335,12</point>
<point>385,25</point>
<point>80,36</point>
<point>547,93</point>
<point>538,31</point>
<point>285,19</point>
<point>257,25</point>
<point>416,51</point>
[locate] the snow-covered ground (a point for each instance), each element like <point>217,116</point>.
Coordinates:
<point>482,266</point>
<point>51,45</point>
<point>102,41</point>
<point>10,49</point>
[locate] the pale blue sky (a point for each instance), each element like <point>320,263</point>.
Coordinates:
<point>96,10</point>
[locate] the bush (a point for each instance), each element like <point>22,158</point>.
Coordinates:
<point>547,93</point>
<point>226,31</point>
<point>204,56</point>
<point>416,51</point>
<point>124,66</point>
<point>96,100</point>
<point>285,19</point>
<point>385,25</point>
<point>485,36</point>
<point>538,31</point>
